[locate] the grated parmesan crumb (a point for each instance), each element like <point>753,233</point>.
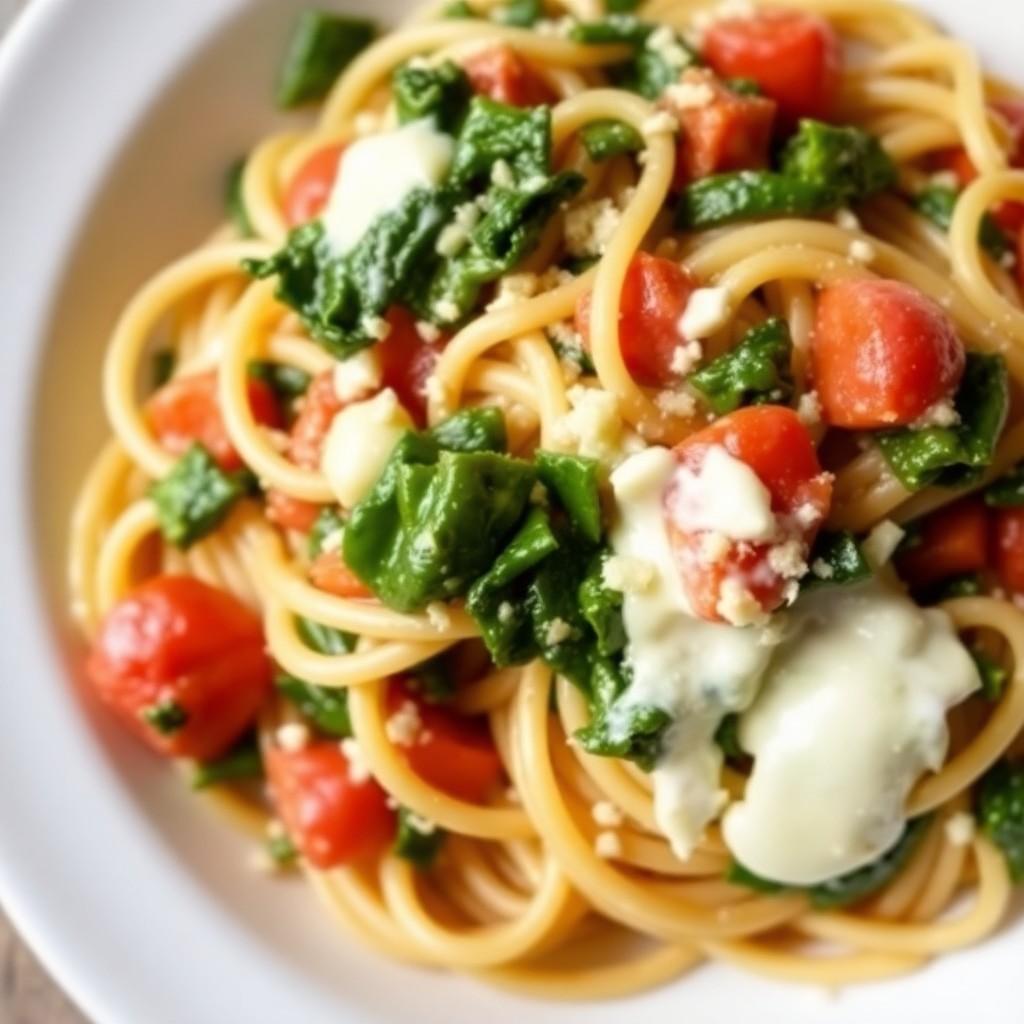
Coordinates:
<point>424,826</point>
<point>513,289</point>
<point>607,845</point>
<point>437,616</point>
<point>502,175</point>
<point>558,632</point>
<point>628,575</point>
<point>292,737</point>
<point>375,327</point>
<point>690,95</point>
<point>661,123</point>
<point>606,814</point>
<point>862,251</point>
<point>787,559</point>
<point>676,403</point>
<point>589,227</point>
<point>505,612</point>
<point>809,409</point>
<point>822,569</point>
<point>706,312</point>
<point>941,414</point>
<point>960,829</point>
<point>446,310</point>
<point>686,357</point>
<point>847,220</point>
<point>738,606</point>
<point>427,331</point>
<point>358,769</point>
<point>359,376</point>
<point>714,546</point>
<point>404,725</point>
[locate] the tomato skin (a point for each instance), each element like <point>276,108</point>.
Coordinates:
<point>654,296</point>
<point>291,513</point>
<point>452,752</point>
<point>501,74</point>
<point>882,353</point>
<point>186,410</point>
<point>331,819</point>
<point>328,572</point>
<point>308,192</point>
<point>176,638</point>
<point>773,442</point>
<point>795,57</point>
<point>731,133</point>
<point>1008,548</point>
<point>953,540</point>
<point>407,361</point>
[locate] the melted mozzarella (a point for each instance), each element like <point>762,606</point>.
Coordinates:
<point>852,713</point>
<point>724,495</point>
<point>697,671</point>
<point>378,172</point>
<point>359,444</point>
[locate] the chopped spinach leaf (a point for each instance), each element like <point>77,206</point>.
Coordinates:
<point>328,524</point>
<point>321,47</point>
<point>756,371</point>
<point>1008,490</point>
<point>954,456</point>
<point>1000,809</point>
<point>326,707</point>
<point>417,841</point>
<point>615,28</point>
<point>167,717</point>
<point>938,203</point>
<point>574,353</point>
<point>164,360</point>
<point>836,558</point>
<point>458,9</point>
<point>605,139</point>
<point>441,93</point>
<point>574,479</point>
<point>993,676</point>
<point>434,680</point>
<point>519,13</point>
<point>194,498</point>
<point>240,763</point>
<point>744,86</point>
<point>849,162</point>
<point>851,887</point>
<point>727,736</point>
<point>472,430</point>
<point>521,136</point>
<point>234,200</point>
<point>282,851</point>
<point>324,639</point>
<point>968,584</point>
<point>287,382</point>
<point>434,521</point>
<point>602,608</point>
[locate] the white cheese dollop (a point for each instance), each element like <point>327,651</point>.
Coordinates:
<point>697,671</point>
<point>851,714</point>
<point>725,495</point>
<point>359,443</point>
<point>378,172</point>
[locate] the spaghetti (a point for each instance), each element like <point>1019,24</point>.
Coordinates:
<point>560,880</point>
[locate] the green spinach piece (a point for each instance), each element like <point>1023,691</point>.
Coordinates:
<point>433,679</point>
<point>851,887</point>
<point>493,131</point>
<point>234,201</point>
<point>748,195</point>
<point>744,86</point>
<point>756,371</point>
<point>1008,490</point>
<point>418,847</point>
<point>836,559</point>
<point>457,10</point>
<point>321,47</point>
<point>287,382</point>
<point>326,707</point>
<point>324,639</point>
<point>954,456</point>
<point>164,360</point>
<point>440,93</point>
<point>937,203</point>
<point>968,584</point>
<point>472,430</point>
<point>519,13</point>
<point>166,717</point>
<point>194,498</point>
<point>239,764</point>
<point>328,524</point>
<point>993,676</point>
<point>727,736</point>
<point>434,521</point>
<point>1000,810</point>
<point>574,479</point>
<point>605,139</point>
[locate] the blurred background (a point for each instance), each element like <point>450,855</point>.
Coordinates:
<point>27,995</point>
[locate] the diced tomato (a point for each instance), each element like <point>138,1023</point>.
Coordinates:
<point>740,579</point>
<point>308,192</point>
<point>185,411</point>
<point>957,161</point>
<point>453,752</point>
<point>1013,111</point>
<point>729,133</point>
<point>332,818</point>
<point>291,513</point>
<point>953,540</point>
<point>795,57</point>
<point>183,664</point>
<point>407,362</point>
<point>883,353</point>
<point>330,573</point>
<point>500,73</point>
<point>1008,548</point>
<point>654,297</point>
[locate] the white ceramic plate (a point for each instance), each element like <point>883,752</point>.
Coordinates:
<point>117,118</point>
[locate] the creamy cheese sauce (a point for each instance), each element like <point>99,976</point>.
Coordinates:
<point>842,701</point>
<point>851,714</point>
<point>697,671</point>
<point>378,172</point>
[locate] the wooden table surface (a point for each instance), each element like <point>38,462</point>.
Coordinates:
<point>27,995</point>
